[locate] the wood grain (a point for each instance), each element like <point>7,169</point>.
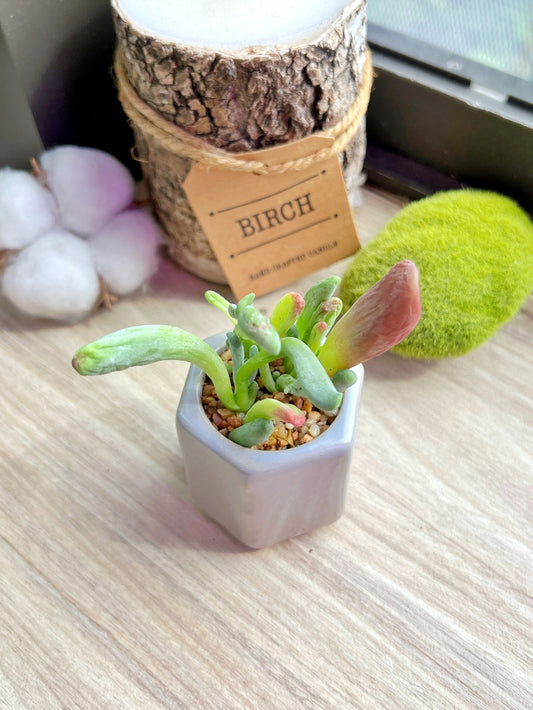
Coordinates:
<point>116,593</point>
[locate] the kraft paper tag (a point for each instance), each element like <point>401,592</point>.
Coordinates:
<point>269,230</point>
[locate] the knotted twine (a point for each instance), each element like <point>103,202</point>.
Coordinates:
<point>179,142</point>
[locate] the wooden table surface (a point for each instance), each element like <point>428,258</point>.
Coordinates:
<point>116,593</point>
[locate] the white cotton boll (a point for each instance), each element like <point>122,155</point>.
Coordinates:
<point>126,250</point>
<point>90,186</point>
<point>55,277</point>
<point>27,209</point>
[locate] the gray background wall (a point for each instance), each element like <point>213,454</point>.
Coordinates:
<point>55,79</point>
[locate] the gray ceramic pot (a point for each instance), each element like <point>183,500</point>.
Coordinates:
<point>263,497</point>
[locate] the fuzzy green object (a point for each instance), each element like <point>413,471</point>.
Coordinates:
<point>474,252</point>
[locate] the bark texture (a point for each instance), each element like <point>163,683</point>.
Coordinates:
<point>240,102</point>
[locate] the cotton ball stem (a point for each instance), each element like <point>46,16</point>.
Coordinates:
<point>126,250</point>
<point>27,209</point>
<point>89,185</point>
<point>55,278</point>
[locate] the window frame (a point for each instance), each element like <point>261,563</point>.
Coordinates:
<point>437,121</point>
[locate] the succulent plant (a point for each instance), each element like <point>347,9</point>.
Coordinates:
<point>318,348</point>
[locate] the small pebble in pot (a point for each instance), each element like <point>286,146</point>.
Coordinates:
<point>314,430</point>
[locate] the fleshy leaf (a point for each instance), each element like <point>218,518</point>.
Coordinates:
<point>245,301</point>
<point>242,379</point>
<point>266,377</point>
<point>257,327</point>
<point>237,351</point>
<point>292,332</point>
<point>145,344</point>
<point>285,382</point>
<point>316,336</point>
<point>330,310</point>
<point>327,312</point>
<point>314,298</point>
<point>252,433</point>
<point>286,311</point>
<point>380,319</point>
<point>215,299</point>
<point>271,408</point>
<point>343,380</point>
<point>311,380</point>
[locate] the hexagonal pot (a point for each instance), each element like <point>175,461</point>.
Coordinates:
<point>264,497</point>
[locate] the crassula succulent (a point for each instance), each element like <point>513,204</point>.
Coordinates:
<point>317,345</point>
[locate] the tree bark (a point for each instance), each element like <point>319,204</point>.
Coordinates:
<point>239,101</point>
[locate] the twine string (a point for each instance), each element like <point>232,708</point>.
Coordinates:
<point>179,142</point>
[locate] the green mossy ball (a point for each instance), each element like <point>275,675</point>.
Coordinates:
<point>474,252</point>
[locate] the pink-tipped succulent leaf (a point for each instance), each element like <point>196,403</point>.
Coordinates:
<point>274,409</point>
<point>380,319</point>
<point>287,311</point>
<point>316,336</point>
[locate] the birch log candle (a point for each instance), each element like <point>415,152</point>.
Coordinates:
<point>200,80</point>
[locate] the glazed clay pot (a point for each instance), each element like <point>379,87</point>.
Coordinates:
<point>264,497</point>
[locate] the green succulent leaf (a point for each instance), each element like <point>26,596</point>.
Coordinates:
<point>266,377</point>
<point>314,298</point>
<point>311,380</point>
<point>286,311</point>
<point>253,389</point>
<point>252,433</point>
<point>285,382</point>
<point>244,302</point>
<point>242,379</point>
<point>343,380</point>
<point>237,351</point>
<point>293,332</point>
<point>316,336</point>
<point>215,299</point>
<point>145,344</point>
<point>257,328</point>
